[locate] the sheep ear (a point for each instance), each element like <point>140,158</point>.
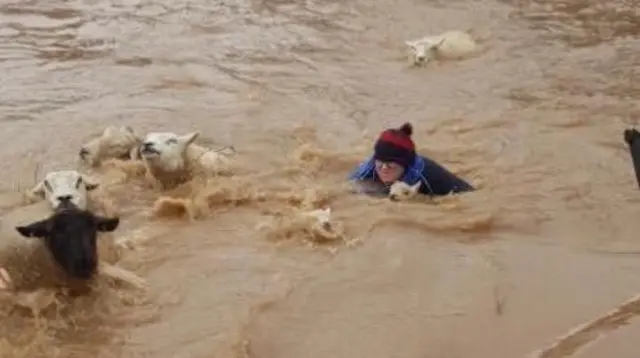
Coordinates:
<point>129,130</point>
<point>38,229</point>
<point>416,186</point>
<point>325,215</point>
<point>631,135</point>
<point>106,224</point>
<point>90,183</point>
<point>38,190</point>
<point>108,132</point>
<point>134,153</point>
<point>437,46</point>
<point>188,138</point>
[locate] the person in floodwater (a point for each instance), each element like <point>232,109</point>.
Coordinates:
<point>395,158</point>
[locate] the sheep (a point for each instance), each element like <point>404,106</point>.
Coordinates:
<point>450,45</point>
<point>172,159</point>
<point>69,235</point>
<point>401,191</point>
<point>315,225</point>
<point>114,143</point>
<point>64,186</point>
<point>71,188</point>
<point>321,226</point>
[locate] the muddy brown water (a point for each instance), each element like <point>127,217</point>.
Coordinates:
<point>548,242</point>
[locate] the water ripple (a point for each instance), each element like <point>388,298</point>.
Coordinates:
<point>582,23</point>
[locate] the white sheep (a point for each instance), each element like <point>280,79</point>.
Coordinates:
<point>321,226</point>
<point>65,186</point>
<point>172,159</point>
<point>315,225</point>
<point>114,143</point>
<point>322,216</point>
<point>450,45</point>
<point>401,191</point>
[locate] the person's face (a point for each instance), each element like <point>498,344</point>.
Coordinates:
<point>389,172</point>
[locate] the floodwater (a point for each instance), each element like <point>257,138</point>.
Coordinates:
<point>300,89</point>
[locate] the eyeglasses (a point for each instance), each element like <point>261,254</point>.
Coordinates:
<point>387,165</point>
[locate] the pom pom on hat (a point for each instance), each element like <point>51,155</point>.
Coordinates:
<point>407,129</point>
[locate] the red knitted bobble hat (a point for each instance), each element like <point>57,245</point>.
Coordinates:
<point>396,145</point>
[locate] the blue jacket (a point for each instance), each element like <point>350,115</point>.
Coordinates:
<point>436,180</point>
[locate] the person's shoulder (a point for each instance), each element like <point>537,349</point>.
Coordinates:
<point>430,164</point>
<point>435,172</point>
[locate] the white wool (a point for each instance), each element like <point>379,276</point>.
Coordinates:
<point>168,156</point>
<point>166,151</point>
<point>115,142</point>
<point>314,225</point>
<point>402,191</point>
<point>450,45</point>
<point>323,216</point>
<point>63,185</point>
<point>22,215</point>
<point>322,227</point>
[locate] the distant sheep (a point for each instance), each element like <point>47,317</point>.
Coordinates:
<point>316,226</point>
<point>450,45</point>
<point>321,226</point>
<point>171,159</point>
<point>114,143</point>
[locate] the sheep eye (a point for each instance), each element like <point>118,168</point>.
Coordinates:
<point>172,141</point>
<point>48,185</point>
<point>78,182</point>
